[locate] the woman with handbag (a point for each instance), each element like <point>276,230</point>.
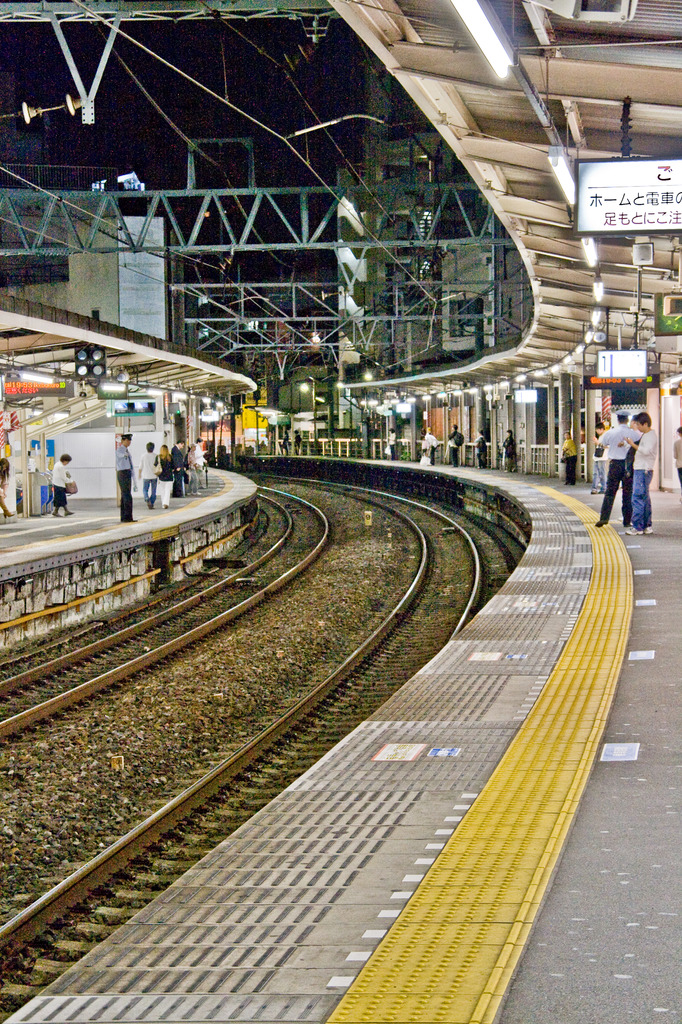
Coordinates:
<point>62,484</point>
<point>165,477</point>
<point>150,469</point>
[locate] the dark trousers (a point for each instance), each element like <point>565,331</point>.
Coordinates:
<point>620,474</point>
<point>125,481</point>
<point>571,463</point>
<point>178,482</point>
<point>454,456</point>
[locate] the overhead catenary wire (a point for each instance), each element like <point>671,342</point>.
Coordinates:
<point>253,120</point>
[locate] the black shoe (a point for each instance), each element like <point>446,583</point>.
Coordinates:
<point>129,520</point>
<point>602,522</point>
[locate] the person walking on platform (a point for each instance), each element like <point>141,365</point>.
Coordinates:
<point>60,478</point>
<point>178,460</point>
<point>677,455</point>
<point>569,457</point>
<point>600,462</point>
<point>165,478</point>
<point>125,476</point>
<point>149,463</point>
<point>615,440</point>
<point>298,441</point>
<point>455,442</point>
<point>646,450</point>
<point>4,484</point>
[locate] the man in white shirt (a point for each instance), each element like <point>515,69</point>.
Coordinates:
<point>616,440</point>
<point>646,450</point>
<point>429,445</point>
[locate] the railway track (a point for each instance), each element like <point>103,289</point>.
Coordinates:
<point>80,672</point>
<point>128,873</point>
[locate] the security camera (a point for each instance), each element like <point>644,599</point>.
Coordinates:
<point>82,393</point>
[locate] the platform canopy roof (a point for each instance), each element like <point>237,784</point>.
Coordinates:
<point>38,337</point>
<point>574,63</point>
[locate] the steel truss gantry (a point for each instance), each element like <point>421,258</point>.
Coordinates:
<point>45,222</point>
<point>410,267</point>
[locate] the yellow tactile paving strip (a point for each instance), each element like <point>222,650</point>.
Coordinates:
<point>452,953</point>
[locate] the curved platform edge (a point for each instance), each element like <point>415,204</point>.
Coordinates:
<point>453,951</point>
<point>60,580</point>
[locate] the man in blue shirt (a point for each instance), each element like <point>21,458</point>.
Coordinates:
<point>124,475</point>
<point>620,469</point>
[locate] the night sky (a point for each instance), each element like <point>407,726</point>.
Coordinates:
<point>130,135</point>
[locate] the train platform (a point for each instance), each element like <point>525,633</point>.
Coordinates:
<point>498,843</point>
<point>58,571</point>
<point>95,515</point>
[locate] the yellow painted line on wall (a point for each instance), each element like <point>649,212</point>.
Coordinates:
<point>56,609</point>
<point>451,954</point>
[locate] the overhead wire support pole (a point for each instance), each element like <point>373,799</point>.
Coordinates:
<point>87,97</point>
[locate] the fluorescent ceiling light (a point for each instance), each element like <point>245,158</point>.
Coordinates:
<point>559,162</point>
<point>591,254</point>
<point>597,315</point>
<point>598,289</point>
<point>36,378</point>
<point>487,32</point>
<point>113,389</point>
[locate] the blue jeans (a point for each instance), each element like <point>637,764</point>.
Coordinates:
<point>641,502</point>
<point>599,467</point>
<point>149,490</point>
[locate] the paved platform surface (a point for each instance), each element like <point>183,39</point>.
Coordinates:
<point>277,922</point>
<point>99,520</point>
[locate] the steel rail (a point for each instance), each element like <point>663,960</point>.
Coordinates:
<point>29,921</point>
<point>56,704</point>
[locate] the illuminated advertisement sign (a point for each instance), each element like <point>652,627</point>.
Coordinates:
<point>35,389</point>
<point>626,197</point>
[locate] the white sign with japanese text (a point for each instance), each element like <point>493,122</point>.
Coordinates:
<point>626,197</point>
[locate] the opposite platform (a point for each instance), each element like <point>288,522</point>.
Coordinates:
<point>55,572</point>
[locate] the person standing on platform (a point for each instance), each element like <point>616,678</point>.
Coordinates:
<point>192,470</point>
<point>646,450</point>
<point>60,478</point>
<point>165,476</point>
<point>284,443</point>
<point>569,457</point>
<point>509,449</point>
<point>429,445</point>
<point>615,440</point>
<point>481,451</point>
<point>4,484</point>
<point>600,461</point>
<point>178,460</point>
<point>392,444</point>
<point>455,442</point>
<point>124,475</point>
<point>677,455</point>
<point>149,463</point>
<point>298,441</point>
<point>200,460</point>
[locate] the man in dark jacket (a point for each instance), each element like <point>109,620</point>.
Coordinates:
<point>178,463</point>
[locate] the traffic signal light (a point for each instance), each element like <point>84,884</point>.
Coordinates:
<point>91,362</point>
